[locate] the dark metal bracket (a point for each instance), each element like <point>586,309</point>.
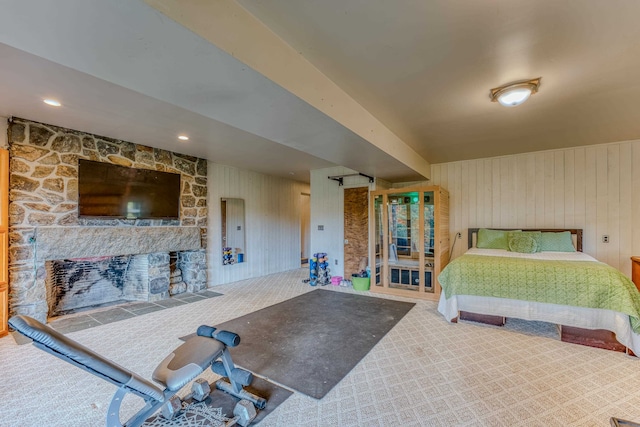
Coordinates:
<point>340,178</point>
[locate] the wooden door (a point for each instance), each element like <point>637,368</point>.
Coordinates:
<point>356,229</point>
<point>4,239</point>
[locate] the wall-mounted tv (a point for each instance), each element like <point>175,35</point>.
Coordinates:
<point>106,190</point>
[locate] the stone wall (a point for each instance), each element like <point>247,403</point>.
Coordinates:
<point>193,265</point>
<point>44,175</point>
<point>44,196</point>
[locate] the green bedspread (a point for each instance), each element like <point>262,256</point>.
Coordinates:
<point>576,283</point>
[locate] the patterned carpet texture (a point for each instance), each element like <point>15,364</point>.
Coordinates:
<point>424,372</point>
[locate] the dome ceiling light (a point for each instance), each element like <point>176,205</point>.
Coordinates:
<point>52,102</point>
<point>515,93</point>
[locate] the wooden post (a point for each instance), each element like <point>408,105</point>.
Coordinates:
<point>635,270</point>
<point>4,241</point>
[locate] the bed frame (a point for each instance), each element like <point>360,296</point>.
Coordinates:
<point>599,338</point>
<point>576,233</point>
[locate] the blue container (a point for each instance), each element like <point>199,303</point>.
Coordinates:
<point>240,257</point>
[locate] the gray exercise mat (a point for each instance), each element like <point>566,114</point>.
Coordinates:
<point>310,342</point>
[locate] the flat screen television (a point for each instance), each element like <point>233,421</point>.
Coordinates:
<point>106,190</point>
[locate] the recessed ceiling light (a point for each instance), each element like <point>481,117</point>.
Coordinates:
<point>183,137</point>
<point>52,102</point>
<point>515,93</point>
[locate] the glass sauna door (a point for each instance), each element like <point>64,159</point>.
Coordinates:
<point>409,238</point>
<point>402,215</point>
<point>378,233</point>
<point>410,258</point>
<point>429,237</point>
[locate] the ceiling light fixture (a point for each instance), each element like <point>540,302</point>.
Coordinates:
<point>515,93</point>
<point>52,102</point>
<point>183,137</point>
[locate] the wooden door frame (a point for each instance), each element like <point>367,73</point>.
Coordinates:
<point>4,241</point>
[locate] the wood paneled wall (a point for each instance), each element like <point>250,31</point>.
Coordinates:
<point>596,188</point>
<point>272,222</point>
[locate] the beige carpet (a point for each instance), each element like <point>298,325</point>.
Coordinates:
<point>424,372</point>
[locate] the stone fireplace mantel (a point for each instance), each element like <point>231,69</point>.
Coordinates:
<point>80,242</point>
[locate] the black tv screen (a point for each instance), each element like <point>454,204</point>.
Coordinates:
<point>106,190</point>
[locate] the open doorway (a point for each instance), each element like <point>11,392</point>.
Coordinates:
<point>305,227</point>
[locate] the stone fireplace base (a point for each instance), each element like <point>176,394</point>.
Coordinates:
<point>83,266</point>
<point>88,282</point>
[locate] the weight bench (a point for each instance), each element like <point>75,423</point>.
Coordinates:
<point>179,368</point>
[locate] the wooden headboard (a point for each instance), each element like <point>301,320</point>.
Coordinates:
<point>577,232</point>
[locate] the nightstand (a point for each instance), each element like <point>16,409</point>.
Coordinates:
<point>635,270</point>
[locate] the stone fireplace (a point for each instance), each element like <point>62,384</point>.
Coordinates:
<point>107,264</point>
<point>73,284</point>
<point>59,262</point>
<point>123,264</point>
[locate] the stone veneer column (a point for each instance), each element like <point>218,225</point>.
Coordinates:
<point>158,276</point>
<point>194,269</point>
<point>44,193</point>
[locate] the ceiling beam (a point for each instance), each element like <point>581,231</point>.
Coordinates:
<point>227,25</point>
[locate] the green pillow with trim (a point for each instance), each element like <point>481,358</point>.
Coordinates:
<point>557,242</point>
<point>492,239</point>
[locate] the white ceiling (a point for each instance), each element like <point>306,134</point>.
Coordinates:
<point>423,68</point>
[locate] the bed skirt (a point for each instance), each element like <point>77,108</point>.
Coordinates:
<point>578,317</point>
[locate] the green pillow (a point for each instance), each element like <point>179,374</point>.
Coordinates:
<point>534,235</point>
<point>523,243</point>
<point>492,239</point>
<point>557,242</point>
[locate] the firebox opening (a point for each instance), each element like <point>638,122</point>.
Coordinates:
<point>74,284</point>
<point>176,284</point>
<point>77,284</point>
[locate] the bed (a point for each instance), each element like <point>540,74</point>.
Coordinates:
<point>591,302</point>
